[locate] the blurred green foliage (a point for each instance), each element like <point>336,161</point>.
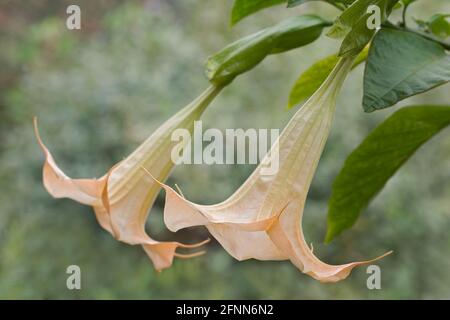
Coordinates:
<point>100,91</point>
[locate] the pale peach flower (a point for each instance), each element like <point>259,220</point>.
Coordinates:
<point>262,219</point>
<point>123,197</point>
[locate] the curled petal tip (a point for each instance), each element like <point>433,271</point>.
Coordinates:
<point>195,245</point>
<point>179,191</point>
<point>190,255</point>
<point>36,133</point>
<point>345,272</point>
<point>375,259</point>
<point>151,176</point>
<point>383,255</point>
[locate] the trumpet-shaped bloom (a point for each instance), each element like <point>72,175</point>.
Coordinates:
<point>122,198</point>
<point>262,219</point>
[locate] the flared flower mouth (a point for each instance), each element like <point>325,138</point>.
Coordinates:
<point>122,198</point>
<point>262,219</point>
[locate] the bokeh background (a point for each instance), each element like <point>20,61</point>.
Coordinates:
<point>100,91</point>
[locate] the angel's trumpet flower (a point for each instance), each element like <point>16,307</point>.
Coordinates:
<point>122,198</point>
<point>262,219</point>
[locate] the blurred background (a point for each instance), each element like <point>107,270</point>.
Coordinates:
<point>101,90</point>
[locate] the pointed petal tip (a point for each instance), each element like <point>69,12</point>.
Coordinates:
<point>148,173</point>
<point>190,255</point>
<point>37,135</point>
<point>383,256</point>
<point>361,263</point>
<point>195,245</point>
<point>343,271</point>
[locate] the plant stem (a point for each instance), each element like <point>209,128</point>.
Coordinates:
<point>405,7</point>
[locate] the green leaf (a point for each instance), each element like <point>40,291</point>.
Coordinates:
<point>246,53</point>
<point>244,8</point>
<point>439,25</point>
<point>376,160</point>
<point>402,64</point>
<point>352,24</point>
<point>313,77</point>
<point>341,4</point>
